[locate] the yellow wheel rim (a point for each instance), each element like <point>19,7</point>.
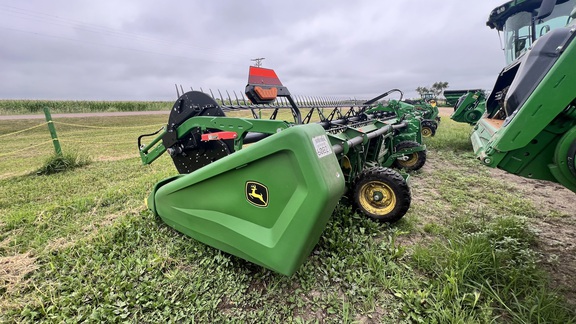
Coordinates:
<point>412,160</point>
<point>377,198</point>
<point>426,132</point>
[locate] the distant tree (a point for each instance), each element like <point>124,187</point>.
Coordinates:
<point>422,90</point>
<point>438,88</point>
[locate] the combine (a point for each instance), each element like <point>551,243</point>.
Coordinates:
<point>452,96</point>
<point>529,128</point>
<point>264,189</point>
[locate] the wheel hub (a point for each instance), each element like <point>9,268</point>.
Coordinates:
<point>377,198</point>
<point>409,160</point>
<point>426,132</point>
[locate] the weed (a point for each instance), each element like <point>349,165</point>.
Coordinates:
<point>62,162</point>
<point>491,267</point>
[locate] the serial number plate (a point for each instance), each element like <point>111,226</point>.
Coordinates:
<point>322,146</point>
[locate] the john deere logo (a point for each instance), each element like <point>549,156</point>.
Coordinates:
<point>257,194</point>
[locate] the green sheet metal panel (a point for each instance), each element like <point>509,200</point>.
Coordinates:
<point>267,203</point>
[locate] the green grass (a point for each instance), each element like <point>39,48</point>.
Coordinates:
<point>80,245</point>
<point>61,163</point>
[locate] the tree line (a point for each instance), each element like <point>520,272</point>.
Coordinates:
<point>437,88</point>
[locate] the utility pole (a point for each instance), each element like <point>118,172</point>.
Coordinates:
<point>258,61</point>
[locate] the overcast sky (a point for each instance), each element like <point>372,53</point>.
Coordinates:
<point>138,49</point>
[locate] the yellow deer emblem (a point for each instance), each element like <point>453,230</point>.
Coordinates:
<point>255,195</point>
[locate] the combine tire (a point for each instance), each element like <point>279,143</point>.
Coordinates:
<point>415,160</point>
<point>565,160</point>
<point>382,194</point>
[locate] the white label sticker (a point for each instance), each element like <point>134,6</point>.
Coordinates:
<point>322,145</point>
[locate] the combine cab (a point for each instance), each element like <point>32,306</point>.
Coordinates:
<point>529,128</point>
<point>268,202</point>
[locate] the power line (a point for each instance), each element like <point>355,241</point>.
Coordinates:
<point>258,61</point>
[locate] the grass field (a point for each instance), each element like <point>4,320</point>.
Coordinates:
<point>80,245</point>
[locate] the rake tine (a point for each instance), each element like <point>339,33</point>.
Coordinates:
<point>236,97</point>
<point>221,97</point>
<point>182,89</point>
<point>177,92</point>
<point>211,93</point>
<point>229,99</point>
<point>299,101</point>
<point>243,99</point>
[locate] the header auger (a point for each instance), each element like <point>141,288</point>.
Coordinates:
<point>268,202</point>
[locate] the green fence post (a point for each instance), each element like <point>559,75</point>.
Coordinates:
<point>52,130</point>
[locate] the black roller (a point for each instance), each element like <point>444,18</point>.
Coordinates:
<point>192,104</point>
<point>189,153</point>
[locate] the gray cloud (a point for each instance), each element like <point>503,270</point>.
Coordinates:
<point>137,50</point>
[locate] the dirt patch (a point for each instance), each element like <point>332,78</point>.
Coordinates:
<point>547,196</point>
<point>445,111</point>
<point>13,271</point>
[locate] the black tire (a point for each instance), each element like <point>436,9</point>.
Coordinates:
<point>428,128</point>
<point>415,160</point>
<point>472,116</point>
<point>382,194</point>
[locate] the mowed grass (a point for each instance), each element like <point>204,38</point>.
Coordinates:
<point>81,246</point>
